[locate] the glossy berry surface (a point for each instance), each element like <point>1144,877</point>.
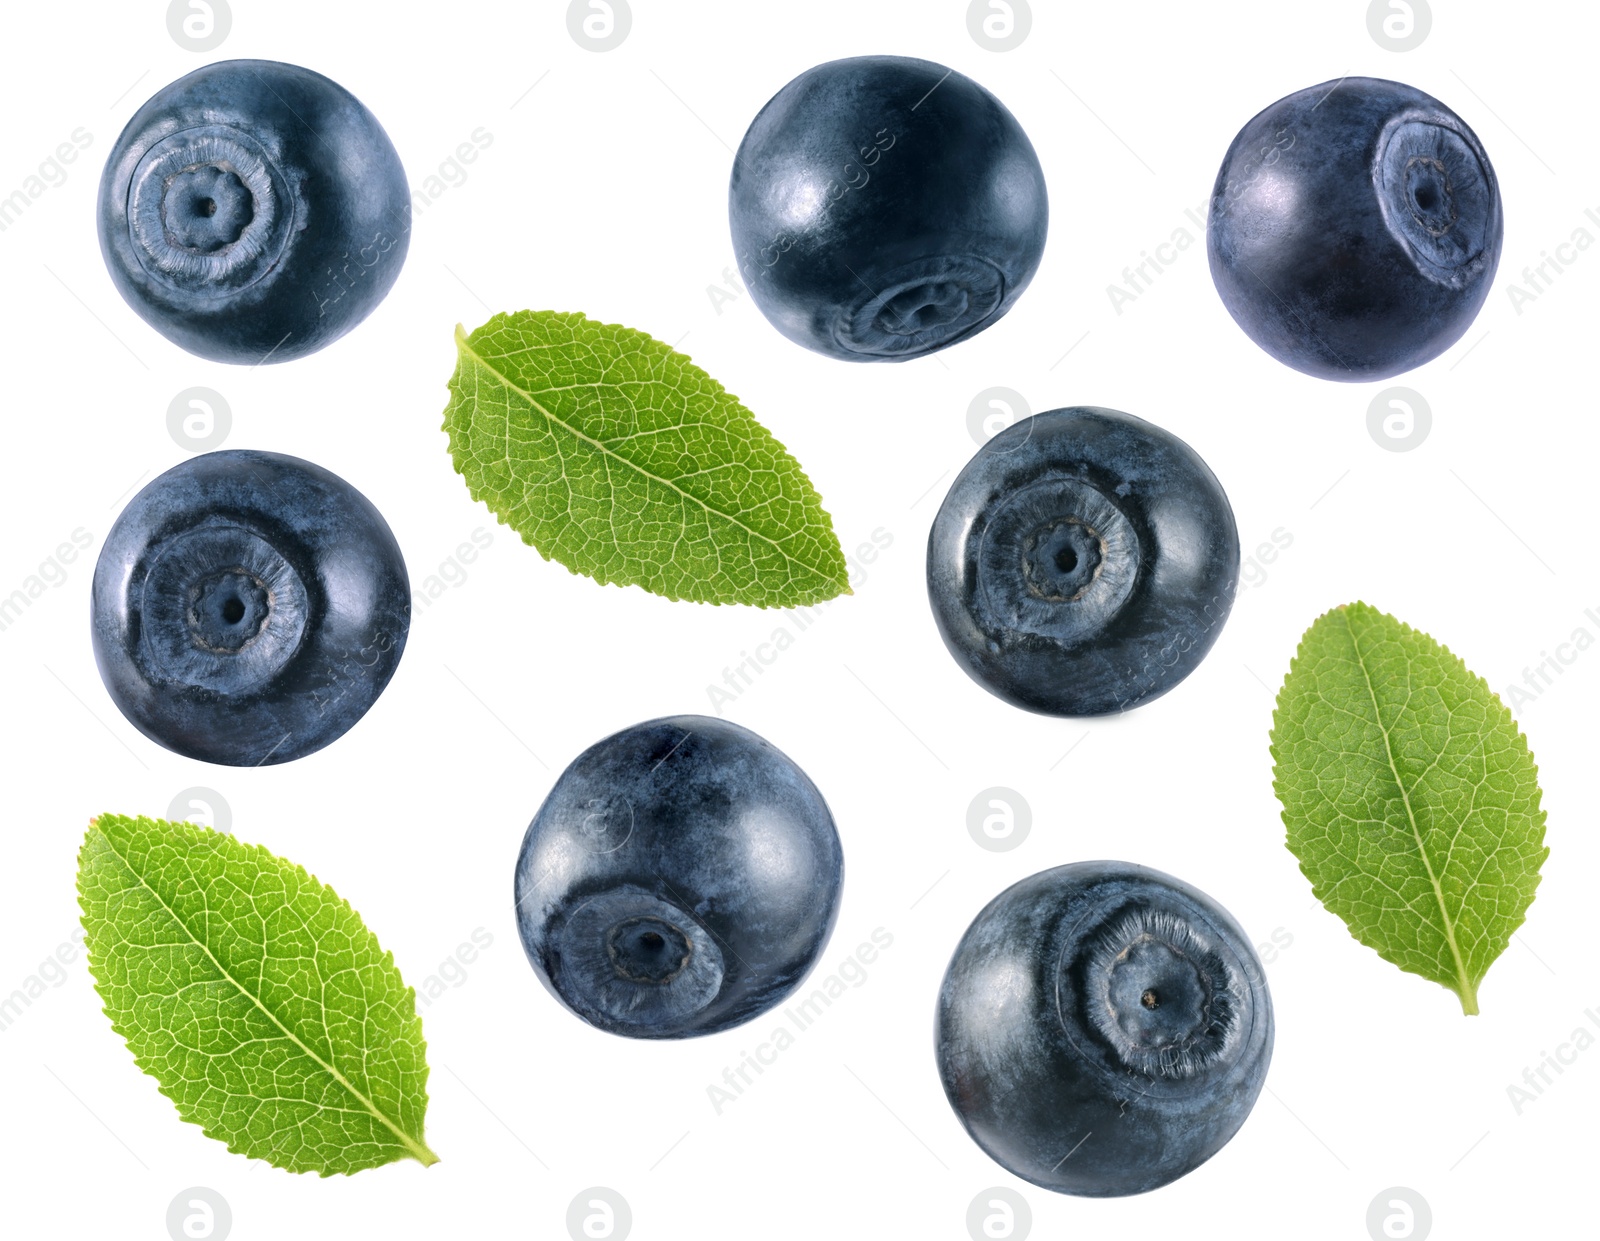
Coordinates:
<point>680,878</point>
<point>1082,563</point>
<point>248,608</point>
<point>1355,229</point>
<point>253,212</point>
<point>1103,1029</point>
<point>884,207</point>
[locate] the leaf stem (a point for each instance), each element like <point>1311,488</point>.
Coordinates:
<point>424,1156</point>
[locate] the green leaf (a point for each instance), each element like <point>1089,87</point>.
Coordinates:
<point>254,995</point>
<point>611,453</point>
<point>1410,797</point>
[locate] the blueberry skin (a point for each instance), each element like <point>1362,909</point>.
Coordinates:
<point>1355,229</point>
<point>884,207</point>
<point>253,212</point>
<point>1082,563</point>
<point>248,608</point>
<point>681,878</point>
<point>1103,1029</point>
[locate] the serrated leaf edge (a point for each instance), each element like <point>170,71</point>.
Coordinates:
<point>464,345</point>
<point>1467,991</point>
<point>415,1148</point>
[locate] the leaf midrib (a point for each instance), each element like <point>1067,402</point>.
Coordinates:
<point>418,1150</point>
<point>1468,993</point>
<point>465,346</point>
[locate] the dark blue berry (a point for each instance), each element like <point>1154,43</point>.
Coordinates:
<point>884,207</point>
<point>1103,1029</point>
<point>681,878</point>
<point>1355,229</point>
<point>248,608</point>
<point>1082,563</point>
<point>253,212</point>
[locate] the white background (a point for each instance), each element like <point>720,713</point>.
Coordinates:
<point>604,190</point>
